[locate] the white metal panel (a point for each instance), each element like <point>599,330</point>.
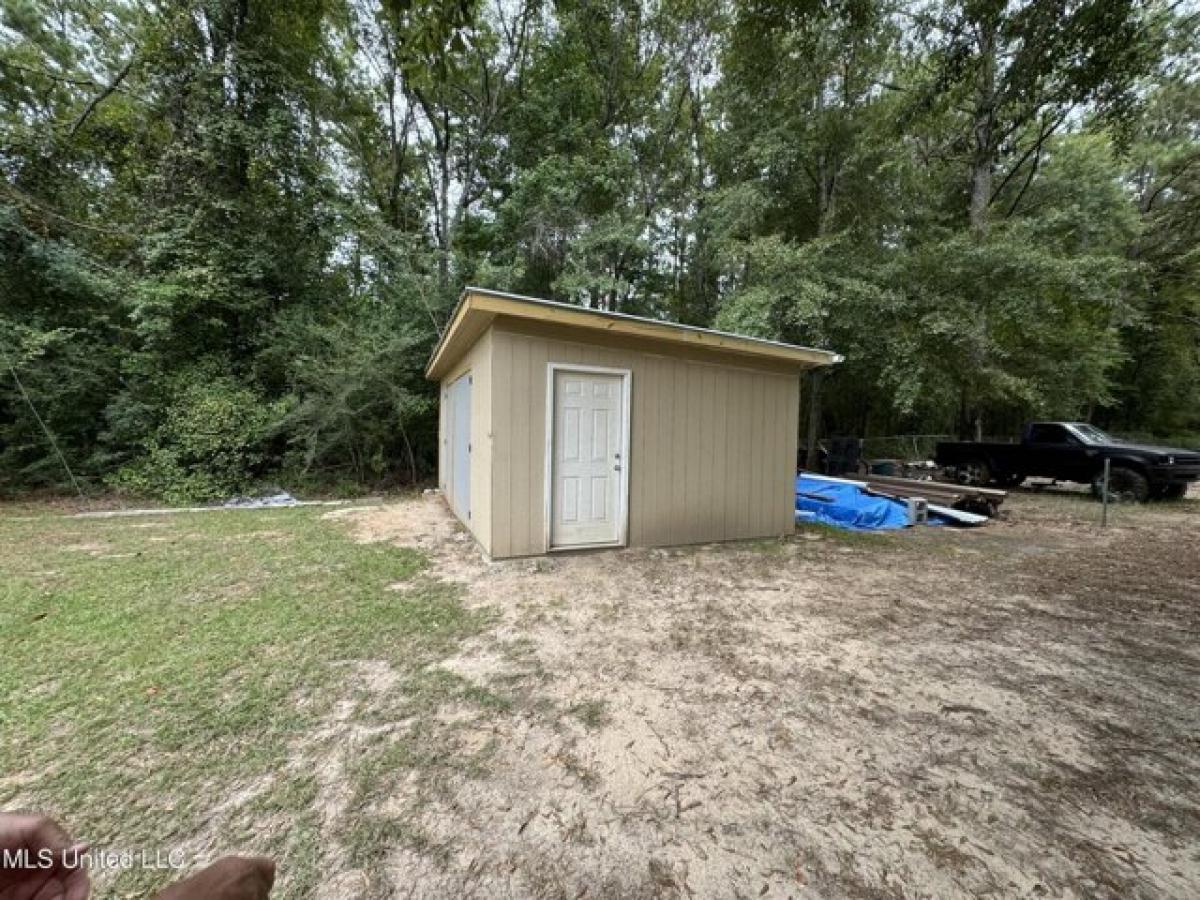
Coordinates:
<point>588,446</point>
<point>460,446</point>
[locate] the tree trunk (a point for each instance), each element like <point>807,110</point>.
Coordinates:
<point>983,130</point>
<point>982,161</point>
<point>814,419</point>
<point>444,215</point>
<point>826,193</point>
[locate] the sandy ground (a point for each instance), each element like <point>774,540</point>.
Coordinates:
<point>1010,711</point>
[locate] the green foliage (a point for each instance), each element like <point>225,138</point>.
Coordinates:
<point>261,213</point>
<point>55,350</point>
<point>211,444</point>
<point>364,409</point>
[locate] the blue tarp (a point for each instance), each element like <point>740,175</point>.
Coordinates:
<point>846,506</point>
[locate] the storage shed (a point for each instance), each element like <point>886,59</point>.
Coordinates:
<point>564,427</point>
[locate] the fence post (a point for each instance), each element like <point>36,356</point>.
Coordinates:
<point>1104,495</point>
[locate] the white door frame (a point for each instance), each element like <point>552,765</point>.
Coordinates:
<point>623,489</point>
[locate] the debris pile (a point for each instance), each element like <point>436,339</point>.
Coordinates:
<point>880,503</point>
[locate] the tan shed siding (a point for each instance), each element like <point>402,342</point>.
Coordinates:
<point>712,446</point>
<point>478,362</point>
<point>502,444</point>
<point>789,452</point>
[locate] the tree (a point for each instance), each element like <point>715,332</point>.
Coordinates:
<point>260,214</point>
<point>1004,79</point>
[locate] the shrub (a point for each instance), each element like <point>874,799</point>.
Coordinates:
<point>211,443</point>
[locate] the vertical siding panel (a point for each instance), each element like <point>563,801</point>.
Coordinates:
<point>661,448</point>
<point>733,407</point>
<point>733,398</point>
<point>774,420</point>
<point>670,451</point>
<point>654,462</point>
<point>791,443</point>
<point>748,460</point>
<point>761,456</point>
<point>687,455</point>
<point>701,420</point>
<point>533,498</point>
<point>518,514</point>
<point>784,489</point>
<point>776,443</point>
<point>690,459</point>
<point>539,361</point>
<point>695,457</point>
<point>502,451</point>
<point>532,534</point>
<point>779,454</point>
<point>641,500</point>
<point>710,481</point>
<point>677,519</point>
<point>634,476</point>
<point>744,462</point>
<point>777,421</point>
<point>443,434</point>
<point>760,469</point>
<point>696,492</point>
<point>481,442</point>
<point>720,430</point>
<point>640,477</point>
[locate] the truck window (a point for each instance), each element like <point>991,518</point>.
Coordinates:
<point>1049,434</point>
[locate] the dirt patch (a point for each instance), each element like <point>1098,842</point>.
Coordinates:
<point>1010,711</point>
<point>425,525</point>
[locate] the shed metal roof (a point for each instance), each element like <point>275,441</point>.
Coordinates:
<point>477,308</point>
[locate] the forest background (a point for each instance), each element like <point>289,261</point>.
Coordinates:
<point>231,231</point>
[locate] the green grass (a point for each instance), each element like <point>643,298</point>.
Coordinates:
<point>592,713</point>
<point>873,539</point>
<point>150,666</point>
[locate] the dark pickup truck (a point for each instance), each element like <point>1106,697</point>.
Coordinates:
<point>1073,451</point>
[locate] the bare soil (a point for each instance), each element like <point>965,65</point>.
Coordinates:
<point>1006,711</point>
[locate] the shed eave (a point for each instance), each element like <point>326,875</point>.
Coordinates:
<point>478,307</point>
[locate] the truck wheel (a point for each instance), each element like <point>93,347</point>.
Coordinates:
<point>974,472</point>
<point>1124,486</point>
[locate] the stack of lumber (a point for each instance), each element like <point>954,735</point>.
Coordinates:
<point>957,496</point>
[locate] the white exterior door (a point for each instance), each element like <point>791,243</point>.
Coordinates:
<point>588,471</point>
<point>459,417</point>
